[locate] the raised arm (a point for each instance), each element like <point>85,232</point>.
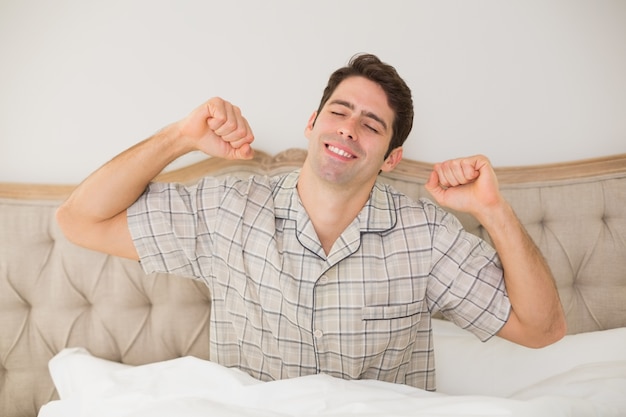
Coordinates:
<point>470,185</point>
<point>94,216</point>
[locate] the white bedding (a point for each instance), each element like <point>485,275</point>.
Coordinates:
<point>563,381</point>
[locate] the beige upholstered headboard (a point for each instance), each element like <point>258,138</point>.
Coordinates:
<point>55,295</point>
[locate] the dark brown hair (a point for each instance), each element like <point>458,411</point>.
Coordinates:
<point>398,93</point>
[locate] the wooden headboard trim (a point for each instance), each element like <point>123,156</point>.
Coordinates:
<point>407,169</point>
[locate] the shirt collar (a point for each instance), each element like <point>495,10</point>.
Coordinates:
<point>377,215</point>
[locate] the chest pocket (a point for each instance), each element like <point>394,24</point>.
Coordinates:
<point>389,312</point>
<point>391,332</point>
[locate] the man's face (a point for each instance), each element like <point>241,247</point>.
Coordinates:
<point>350,136</point>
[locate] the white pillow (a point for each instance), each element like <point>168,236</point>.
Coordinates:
<point>74,368</point>
<point>192,387</point>
<point>467,366</point>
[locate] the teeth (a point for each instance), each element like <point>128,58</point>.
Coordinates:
<point>339,152</point>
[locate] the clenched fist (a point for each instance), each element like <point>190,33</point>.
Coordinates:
<point>218,129</point>
<point>465,184</point>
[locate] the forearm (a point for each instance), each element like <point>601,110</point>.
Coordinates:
<point>117,184</point>
<point>470,185</point>
<point>537,316</point>
<point>94,214</point>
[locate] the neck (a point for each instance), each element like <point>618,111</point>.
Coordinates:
<point>331,207</point>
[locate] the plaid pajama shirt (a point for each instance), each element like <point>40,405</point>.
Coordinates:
<point>282,308</point>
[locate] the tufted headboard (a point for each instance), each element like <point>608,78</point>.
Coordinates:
<point>55,295</point>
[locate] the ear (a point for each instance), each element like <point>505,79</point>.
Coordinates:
<point>392,160</point>
<point>309,125</point>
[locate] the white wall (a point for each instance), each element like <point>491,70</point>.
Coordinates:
<point>524,81</point>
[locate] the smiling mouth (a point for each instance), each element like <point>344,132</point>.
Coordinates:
<point>339,152</point>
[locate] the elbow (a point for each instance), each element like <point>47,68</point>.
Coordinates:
<point>108,236</point>
<point>67,222</point>
<point>549,335</point>
<point>557,331</point>
<point>557,327</point>
<point>63,219</point>
<point>536,334</point>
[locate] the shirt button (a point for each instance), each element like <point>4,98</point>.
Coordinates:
<point>318,333</point>
<point>323,280</point>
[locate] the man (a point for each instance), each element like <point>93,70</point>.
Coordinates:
<point>325,269</point>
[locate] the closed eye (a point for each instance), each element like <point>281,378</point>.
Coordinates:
<point>373,129</point>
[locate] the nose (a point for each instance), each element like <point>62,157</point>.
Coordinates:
<point>347,129</point>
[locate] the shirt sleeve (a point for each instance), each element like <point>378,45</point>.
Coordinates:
<point>165,228</point>
<point>467,280</point>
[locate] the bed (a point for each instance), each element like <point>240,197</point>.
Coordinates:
<point>85,334</point>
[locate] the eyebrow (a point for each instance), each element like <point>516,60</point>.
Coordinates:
<point>368,114</point>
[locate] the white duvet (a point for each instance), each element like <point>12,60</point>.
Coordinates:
<point>583,375</point>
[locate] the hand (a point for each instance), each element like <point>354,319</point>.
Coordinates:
<point>466,184</point>
<point>217,128</point>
